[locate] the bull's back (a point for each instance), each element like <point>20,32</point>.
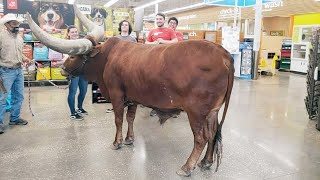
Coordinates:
<point>165,72</point>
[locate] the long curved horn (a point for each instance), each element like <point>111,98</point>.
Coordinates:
<point>78,46</point>
<point>95,31</point>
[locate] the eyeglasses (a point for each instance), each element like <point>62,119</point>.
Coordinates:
<point>173,23</point>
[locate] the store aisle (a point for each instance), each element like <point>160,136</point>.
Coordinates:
<point>267,135</point>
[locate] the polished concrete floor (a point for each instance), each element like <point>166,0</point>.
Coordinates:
<point>267,135</point>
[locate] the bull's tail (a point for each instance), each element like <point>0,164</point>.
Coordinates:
<point>217,141</point>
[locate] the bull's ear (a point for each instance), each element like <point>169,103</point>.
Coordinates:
<point>94,52</point>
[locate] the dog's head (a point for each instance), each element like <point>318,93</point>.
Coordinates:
<point>50,15</point>
<point>99,15</point>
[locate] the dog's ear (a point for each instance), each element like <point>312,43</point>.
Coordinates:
<point>35,5</point>
<point>93,12</point>
<point>104,12</point>
<point>64,7</point>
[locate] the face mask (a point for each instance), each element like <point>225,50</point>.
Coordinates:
<point>15,30</point>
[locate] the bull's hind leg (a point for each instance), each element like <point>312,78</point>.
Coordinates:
<point>131,113</point>
<point>212,125</point>
<point>117,100</point>
<point>201,136</point>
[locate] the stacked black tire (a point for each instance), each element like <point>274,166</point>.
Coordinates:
<point>313,86</point>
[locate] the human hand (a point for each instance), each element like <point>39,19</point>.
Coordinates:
<point>160,40</point>
<point>28,61</point>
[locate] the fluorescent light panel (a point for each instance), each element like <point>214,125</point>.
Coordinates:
<point>184,8</point>
<point>110,3</point>
<point>71,1</point>
<point>148,4</point>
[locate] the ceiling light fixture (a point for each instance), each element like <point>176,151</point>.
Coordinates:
<point>110,3</point>
<point>148,4</point>
<point>184,8</point>
<point>71,1</point>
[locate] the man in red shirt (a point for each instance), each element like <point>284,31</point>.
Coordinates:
<point>173,23</point>
<point>161,35</point>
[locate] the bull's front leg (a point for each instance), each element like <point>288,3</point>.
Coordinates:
<point>117,100</point>
<point>130,119</point>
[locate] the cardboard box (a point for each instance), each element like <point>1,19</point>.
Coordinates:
<point>56,75</point>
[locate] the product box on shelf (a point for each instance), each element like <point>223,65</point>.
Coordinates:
<point>31,76</point>
<point>54,55</point>
<point>56,75</point>
<point>27,37</point>
<point>43,72</point>
<point>28,50</point>
<point>40,52</point>
<point>55,70</point>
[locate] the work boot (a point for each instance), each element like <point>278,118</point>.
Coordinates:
<point>1,128</point>
<point>18,122</point>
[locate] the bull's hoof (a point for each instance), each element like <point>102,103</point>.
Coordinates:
<point>204,165</point>
<point>116,146</point>
<point>183,173</point>
<point>128,141</point>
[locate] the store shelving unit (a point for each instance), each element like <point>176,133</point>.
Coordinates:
<point>31,78</point>
<point>285,59</point>
<point>299,57</point>
<point>313,80</point>
<point>97,96</point>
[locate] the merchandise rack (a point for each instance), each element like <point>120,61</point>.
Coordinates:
<point>43,82</point>
<point>313,80</point>
<point>285,60</point>
<point>97,96</point>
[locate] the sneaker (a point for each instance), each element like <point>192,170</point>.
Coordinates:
<point>109,110</point>
<point>82,111</point>
<point>1,129</point>
<point>76,116</point>
<point>8,110</point>
<point>153,112</point>
<point>18,122</point>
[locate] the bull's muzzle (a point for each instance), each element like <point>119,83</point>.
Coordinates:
<point>63,72</point>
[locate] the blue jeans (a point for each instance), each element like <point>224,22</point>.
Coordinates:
<point>12,81</point>
<point>8,104</point>
<point>75,82</point>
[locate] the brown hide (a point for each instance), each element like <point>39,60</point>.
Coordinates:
<point>195,76</point>
<point>165,76</point>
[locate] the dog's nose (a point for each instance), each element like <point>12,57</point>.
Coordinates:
<point>99,16</point>
<point>50,15</point>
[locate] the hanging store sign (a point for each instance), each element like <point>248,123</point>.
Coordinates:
<point>276,33</point>
<point>229,13</point>
<point>12,4</point>
<point>241,3</point>
<point>84,9</point>
<point>192,16</point>
<point>271,5</point>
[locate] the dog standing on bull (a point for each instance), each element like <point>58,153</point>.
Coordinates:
<point>194,76</point>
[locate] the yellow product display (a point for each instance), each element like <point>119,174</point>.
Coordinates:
<point>43,72</point>
<point>56,75</point>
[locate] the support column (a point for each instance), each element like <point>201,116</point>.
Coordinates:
<point>257,36</point>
